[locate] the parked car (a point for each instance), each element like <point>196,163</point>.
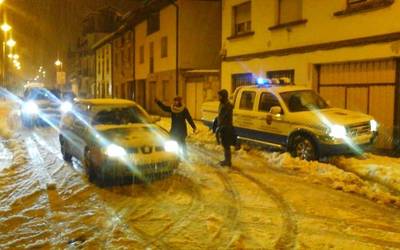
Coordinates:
<point>295,119</point>
<point>116,138</point>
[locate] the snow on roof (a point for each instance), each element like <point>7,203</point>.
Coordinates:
<point>105,101</point>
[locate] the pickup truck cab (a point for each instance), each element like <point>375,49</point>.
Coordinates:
<point>295,119</point>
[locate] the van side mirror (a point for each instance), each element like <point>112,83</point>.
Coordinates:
<point>155,118</point>
<point>276,110</point>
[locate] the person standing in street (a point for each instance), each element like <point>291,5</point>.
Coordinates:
<point>179,115</point>
<point>225,126</point>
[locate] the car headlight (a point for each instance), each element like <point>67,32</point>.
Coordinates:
<point>172,147</point>
<point>66,107</point>
<point>115,151</point>
<point>30,108</point>
<point>338,131</point>
<point>374,125</point>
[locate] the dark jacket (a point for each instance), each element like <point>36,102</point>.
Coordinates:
<point>179,116</point>
<point>225,123</point>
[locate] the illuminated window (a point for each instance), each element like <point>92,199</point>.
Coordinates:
<point>243,79</point>
<point>242,18</point>
<point>164,46</point>
<point>289,11</point>
<point>282,74</point>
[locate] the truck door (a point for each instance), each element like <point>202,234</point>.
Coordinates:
<point>244,116</point>
<point>272,128</point>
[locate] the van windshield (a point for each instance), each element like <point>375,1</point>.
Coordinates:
<point>303,100</point>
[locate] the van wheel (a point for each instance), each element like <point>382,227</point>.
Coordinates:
<point>66,156</point>
<point>304,148</point>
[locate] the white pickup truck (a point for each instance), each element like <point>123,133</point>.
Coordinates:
<point>295,119</point>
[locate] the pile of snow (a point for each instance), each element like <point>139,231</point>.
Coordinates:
<point>9,119</point>
<point>381,169</point>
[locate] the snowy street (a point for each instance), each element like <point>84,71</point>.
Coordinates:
<point>46,203</point>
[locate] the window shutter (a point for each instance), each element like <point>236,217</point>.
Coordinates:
<point>290,10</point>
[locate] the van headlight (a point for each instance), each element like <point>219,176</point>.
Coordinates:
<point>30,108</point>
<point>66,107</point>
<point>338,132</point>
<point>115,151</point>
<point>374,125</point>
<point>172,147</point>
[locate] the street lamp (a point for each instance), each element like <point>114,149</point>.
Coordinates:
<point>58,63</point>
<point>11,43</point>
<point>16,56</point>
<point>5,27</point>
<point>1,2</point>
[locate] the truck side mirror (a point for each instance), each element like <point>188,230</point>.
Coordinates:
<point>276,110</point>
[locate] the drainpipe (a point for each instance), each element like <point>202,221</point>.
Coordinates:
<point>173,2</point>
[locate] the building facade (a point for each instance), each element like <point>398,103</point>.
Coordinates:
<point>346,50</point>
<point>103,87</point>
<point>162,56</point>
<point>82,61</point>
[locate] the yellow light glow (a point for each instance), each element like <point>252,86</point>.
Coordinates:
<point>58,62</point>
<point>5,27</point>
<point>11,43</point>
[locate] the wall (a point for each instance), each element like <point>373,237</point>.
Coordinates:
<point>200,34</point>
<point>322,25</point>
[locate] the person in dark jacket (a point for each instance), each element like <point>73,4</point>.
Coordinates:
<point>225,128</point>
<point>179,115</point>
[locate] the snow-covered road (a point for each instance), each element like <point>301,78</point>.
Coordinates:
<point>48,204</point>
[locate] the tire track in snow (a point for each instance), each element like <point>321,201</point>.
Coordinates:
<point>147,240</point>
<point>287,239</point>
<point>233,212</point>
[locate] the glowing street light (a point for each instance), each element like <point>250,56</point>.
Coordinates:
<point>5,27</point>
<point>11,43</point>
<point>58,63</point>
<point>11,56</point>
<point>16,57</point>
<point>1,2</point>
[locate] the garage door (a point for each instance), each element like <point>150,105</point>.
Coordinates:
<point>365,86</point>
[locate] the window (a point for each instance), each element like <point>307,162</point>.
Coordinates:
<point>164,46</point>
<point>267,101</point>
<point>151,59</point>
<point>282,74</point>
<point>141,54</point>
<point>153,22</point>
<point>247,100</point>
<point>242,80</point>
<point>289,11</point>
<point>242,18</point>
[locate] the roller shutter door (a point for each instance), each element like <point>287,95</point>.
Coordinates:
<point>365,86</point>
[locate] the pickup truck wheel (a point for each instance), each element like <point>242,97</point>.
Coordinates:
<point>304,148</point>
<point>64,151</point>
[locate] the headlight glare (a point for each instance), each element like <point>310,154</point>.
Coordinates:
<point>66,107</point>
<point>374,125</point>
<point>115,151</point>
<point>338,132</point>
<point>172,147</point>
<point>30,108</point>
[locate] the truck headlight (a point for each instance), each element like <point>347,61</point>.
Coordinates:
<point>66,107</point>
<point>374,125</point>
<point>338,132</point>
<point>30,108</point>
<point>115,151</point>
<point>172,147</point>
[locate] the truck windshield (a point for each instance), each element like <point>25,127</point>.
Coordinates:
<point>303,100</point>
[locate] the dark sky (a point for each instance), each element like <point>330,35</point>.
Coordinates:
<point>45,28</point>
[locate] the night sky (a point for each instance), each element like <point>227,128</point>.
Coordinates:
<point>45,28</point>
